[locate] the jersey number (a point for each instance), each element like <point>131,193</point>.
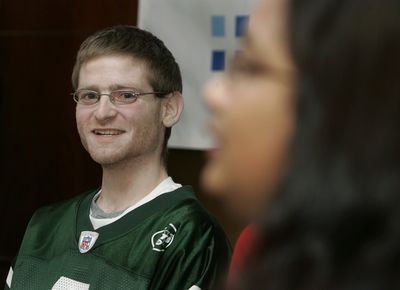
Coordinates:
<point>65,283</point>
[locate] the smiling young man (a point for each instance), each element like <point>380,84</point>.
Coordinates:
<point>140,230</point>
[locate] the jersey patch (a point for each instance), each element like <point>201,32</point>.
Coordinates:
<point>87,240</point>
<point>163,239</point>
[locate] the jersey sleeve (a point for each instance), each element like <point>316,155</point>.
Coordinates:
<point>197,258</point>
<point>8,281</point>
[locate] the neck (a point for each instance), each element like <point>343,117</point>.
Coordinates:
<point>126,183</point>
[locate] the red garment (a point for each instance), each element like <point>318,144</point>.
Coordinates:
<point>242,251</point>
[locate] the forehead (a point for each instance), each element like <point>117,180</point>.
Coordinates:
<point>114,69</point>
<point>267,36</point>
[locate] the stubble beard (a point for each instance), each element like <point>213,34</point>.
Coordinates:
<point>143,145</point>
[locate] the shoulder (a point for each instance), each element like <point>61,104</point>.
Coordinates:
<point>192,240</point>
<point>191,219</point>
<point>188,209</point>
<point>51,214</point>
<point>52,224</point>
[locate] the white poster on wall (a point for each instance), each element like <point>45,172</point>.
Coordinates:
<point>203,35</point>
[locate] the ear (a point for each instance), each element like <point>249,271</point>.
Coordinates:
<point>172,108</point>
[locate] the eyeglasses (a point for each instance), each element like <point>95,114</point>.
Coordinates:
<point>123,97</point>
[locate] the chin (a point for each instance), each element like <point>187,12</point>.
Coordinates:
<point>106,158</point>
<point>214,180</point>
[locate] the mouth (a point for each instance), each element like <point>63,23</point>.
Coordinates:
<point>107,132</point>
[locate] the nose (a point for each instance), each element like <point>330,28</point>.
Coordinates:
<point>216,94</point>
<point>105,109</point>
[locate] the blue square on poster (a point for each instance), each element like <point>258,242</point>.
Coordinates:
<point>218,25</point>
<point>218,60</point>
<point>240,25</point>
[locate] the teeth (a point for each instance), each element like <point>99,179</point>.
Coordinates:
<point>107,132</point>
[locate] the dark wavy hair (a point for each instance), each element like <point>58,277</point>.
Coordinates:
<point>335,220</point>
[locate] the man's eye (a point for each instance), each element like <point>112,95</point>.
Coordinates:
<point>127,95</point>
<point>88,96</point>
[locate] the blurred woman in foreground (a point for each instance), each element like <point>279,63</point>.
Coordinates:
<point>333,220</point>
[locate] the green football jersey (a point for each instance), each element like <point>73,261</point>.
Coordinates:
<point>170,242</point>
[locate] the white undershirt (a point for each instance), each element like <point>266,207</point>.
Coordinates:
<point>167,185</point>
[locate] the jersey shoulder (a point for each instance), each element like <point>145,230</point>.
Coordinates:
<point>189,238</point>
<point>190,217</point>
<point>50,214</point>
<point>57,221</point>
<point>189,209</point>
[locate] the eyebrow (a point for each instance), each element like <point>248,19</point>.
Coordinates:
<point>114,87</point>
<point>120,87</point>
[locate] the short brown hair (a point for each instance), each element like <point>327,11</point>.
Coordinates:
<point>164,74</point>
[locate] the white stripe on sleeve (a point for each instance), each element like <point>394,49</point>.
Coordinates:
<point>9,277</point>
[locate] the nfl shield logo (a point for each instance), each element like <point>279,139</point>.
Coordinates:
<point>87,240</point>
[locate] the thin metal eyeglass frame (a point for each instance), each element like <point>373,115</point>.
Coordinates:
<point>112,99</point>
